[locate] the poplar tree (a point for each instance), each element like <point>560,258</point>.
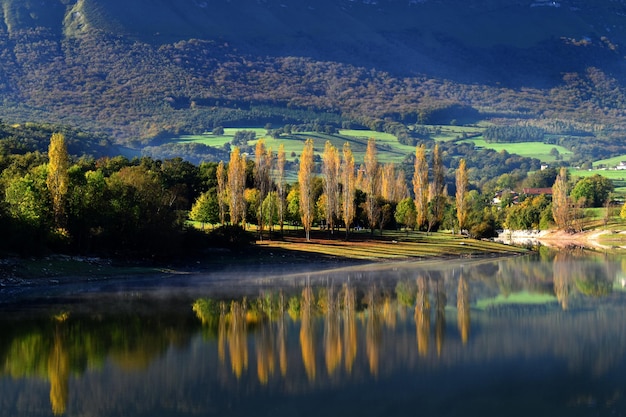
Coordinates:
<point>371,183</point>
<point>330,172</point>
<point>461,193</point>
<point>349,184</point>
<point>58,177</point>
<point>561,211</point>
<point>387,181</point>
<point>400,190</point>
<point>280,184</point>
<point>420,186</point>
<point>305,180</point>
<point>236,186</point>
<point>222,192</point>
<point>436,195</point>
<point>262,169</point>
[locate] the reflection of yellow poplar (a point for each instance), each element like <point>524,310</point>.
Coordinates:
<point>561,281</point>
<point>440,318</point>
<point>307,342</point>
<point>372,342</point>
<point>237,341</point>
<point>463,309</point>
<point>221,337</point>
<point>332,335</point>
<point>349,335</point>
<point>59,373</point>
<point>389,313</point>
<point>282,348</point>
<point>422,316</point>
<point>307,345</point>
<point>266,363</point>
<point>373,332</point>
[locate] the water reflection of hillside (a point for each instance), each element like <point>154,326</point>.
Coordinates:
<point>306,337</point>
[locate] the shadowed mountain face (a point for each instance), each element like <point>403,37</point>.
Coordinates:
<point>81,60</point>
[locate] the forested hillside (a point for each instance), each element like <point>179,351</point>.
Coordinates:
<point>141,70</point>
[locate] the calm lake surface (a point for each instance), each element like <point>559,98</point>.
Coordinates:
<point>538,335</point>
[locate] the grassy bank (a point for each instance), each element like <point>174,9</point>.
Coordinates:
<point>390,246</point>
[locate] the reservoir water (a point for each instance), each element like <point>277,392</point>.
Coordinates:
<point>537,335</point>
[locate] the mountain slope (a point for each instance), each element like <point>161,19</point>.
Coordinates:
<point>140,69</point>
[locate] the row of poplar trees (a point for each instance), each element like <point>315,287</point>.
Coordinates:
<point>341,179</point>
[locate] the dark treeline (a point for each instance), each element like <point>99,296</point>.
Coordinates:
<point>513,134</point>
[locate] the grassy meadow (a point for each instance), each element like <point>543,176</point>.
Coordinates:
<point>610,162</point>
<point>389,150</point>
<point>537,150</point>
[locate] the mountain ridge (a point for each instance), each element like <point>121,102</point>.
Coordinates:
<point>142,69</point>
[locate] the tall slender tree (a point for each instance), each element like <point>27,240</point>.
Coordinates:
<point>236,186</point>
<point>222,191</point>
<point>371,184</point>
<point>349,184</point>
<point>400,190</point>
<point>305,180</point>
<point>420,186</point>
<point>462,183</point>
<point>280,184</point>
<point>330,172</point>
<point>436,192</point>
<point>262,170</point>
<point>561,206</point>
<point>58,178</point>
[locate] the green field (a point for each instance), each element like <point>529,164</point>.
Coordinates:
<point>618,177</point>
<point>537,150</point>
<point>610,162</point>
<point>389,150</point>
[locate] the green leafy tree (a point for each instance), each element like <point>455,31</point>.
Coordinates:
<point>592,191</point>
<point>25,201</point>
<point>293,205</point>
<point>206,208</point>
<point>140,219</point>
<point>88,206</point>
<point>405,213</point>
<point>270,209</point>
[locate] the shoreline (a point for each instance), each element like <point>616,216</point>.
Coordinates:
<point>22,278</point>
<point>591,239</point>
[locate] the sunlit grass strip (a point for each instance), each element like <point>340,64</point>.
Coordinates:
<point>437,245</point>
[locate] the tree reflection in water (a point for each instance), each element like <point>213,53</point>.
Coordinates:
<point>310,336</point>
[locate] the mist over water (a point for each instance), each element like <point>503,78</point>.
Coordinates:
<point>532,335</point>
